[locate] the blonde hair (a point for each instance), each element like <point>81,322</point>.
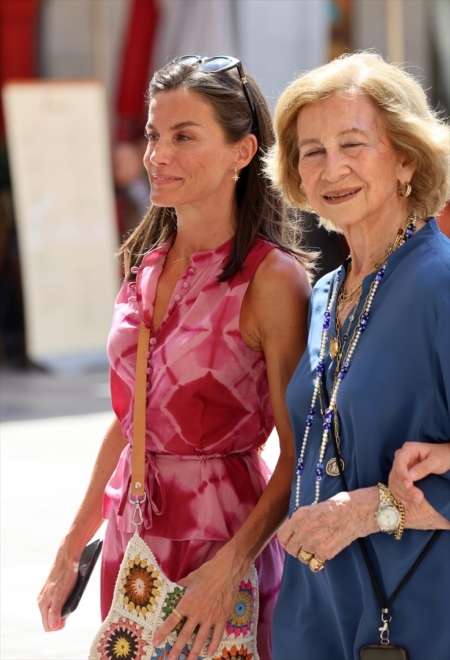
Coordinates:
<point>413,128</point>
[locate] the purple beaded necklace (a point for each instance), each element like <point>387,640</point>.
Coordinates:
<point>403,235</point>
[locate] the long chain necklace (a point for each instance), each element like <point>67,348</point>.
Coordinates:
<point>336,347</point>
<point>347,296</point>
<point>403,235</point>
<point>346,299</point>
<point>341,346</point>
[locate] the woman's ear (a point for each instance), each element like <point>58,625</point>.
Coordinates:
<point>246,149</point>
<point>405,169</point>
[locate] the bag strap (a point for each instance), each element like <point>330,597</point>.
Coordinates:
<point>139,415</point>
<point>385,604</point>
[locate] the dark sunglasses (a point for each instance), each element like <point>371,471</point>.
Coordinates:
<point>221,63</point>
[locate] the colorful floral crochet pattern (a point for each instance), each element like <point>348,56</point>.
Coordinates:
<point>144,598</point>
<point>241,617</point>
<point>235,653</point>
<point>122,641</point>
<point>172,599</point>
<point>140,586</point>
<point>163,653</point>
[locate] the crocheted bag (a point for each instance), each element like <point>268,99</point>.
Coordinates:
<point>144,598</point>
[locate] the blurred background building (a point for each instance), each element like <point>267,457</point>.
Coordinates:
<point>121,42</point>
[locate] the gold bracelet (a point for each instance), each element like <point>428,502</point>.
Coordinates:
<point>387,496</point>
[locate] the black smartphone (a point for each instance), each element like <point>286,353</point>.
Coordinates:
<point>383,652</point>
<point>88,560</point>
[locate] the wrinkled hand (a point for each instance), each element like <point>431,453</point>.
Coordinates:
<point>326,528</point>
<point>207,603</point>
<point>414,461</point>
<point>55,592</point>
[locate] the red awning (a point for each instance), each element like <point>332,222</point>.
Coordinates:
<point>18,41</point>
<point>135,69</point>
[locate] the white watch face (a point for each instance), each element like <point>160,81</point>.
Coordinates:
<point>388,518</point>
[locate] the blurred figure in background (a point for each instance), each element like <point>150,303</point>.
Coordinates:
<point>131,184</point>
<point>444,220</point>
<point>12,330</point>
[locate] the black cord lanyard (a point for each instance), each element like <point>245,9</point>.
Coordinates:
<point>385,604</point>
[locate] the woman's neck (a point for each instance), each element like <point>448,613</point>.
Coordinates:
<point>202,229</point>
<point>370,245</point>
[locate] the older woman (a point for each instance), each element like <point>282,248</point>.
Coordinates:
<point>358,143</point>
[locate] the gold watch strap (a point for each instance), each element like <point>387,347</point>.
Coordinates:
<point>387,497</point>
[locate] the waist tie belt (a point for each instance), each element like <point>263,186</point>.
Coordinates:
<point>154,486</point>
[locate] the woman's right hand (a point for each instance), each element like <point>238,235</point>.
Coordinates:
<point>56,590</point>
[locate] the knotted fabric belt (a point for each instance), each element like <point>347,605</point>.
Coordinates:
<point>154,487</point>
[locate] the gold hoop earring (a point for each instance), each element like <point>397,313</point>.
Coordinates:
<point>405,192</point>
<point>235,176</point>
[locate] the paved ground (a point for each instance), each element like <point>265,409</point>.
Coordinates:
<point>51,427</point>
<point>35,394</point>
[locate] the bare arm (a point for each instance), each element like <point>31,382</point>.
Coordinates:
<point>88,519</point>
<point>273,320</point>
<point>278,306</point>
<point>328,527</point>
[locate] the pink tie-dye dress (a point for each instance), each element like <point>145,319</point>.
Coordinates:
<point>208,413</point>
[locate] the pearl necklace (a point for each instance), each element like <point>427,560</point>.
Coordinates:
<point>403,235</point>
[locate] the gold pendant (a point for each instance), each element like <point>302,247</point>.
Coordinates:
<point>334,347</point>
<point>332,467</point>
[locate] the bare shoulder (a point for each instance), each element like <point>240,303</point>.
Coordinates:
<point>278,295</point>
<point>280,273</point>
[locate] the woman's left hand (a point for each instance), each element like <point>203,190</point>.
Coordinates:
<point>206,606</point>
<point>326,528</point>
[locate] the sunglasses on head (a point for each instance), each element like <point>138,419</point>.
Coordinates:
<point>221,63</point>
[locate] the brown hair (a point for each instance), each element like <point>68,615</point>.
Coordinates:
<point>260,209</point>
<point>413,128</point>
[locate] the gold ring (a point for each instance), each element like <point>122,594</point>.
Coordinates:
<point>176,612</point>
<point>306,556</point>
<point>316,565</point>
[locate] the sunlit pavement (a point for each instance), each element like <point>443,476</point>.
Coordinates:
<point>45,467</point>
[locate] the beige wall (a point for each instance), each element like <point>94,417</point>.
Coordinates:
<point>83,39</point>
<point>370,30</point>
<point>58,148</point>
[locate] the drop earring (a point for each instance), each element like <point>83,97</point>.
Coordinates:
<point>235,176</point>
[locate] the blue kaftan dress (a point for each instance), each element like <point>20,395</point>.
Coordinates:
<point>397,389</point>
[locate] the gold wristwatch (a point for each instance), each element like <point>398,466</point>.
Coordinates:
<point>390,516</point>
